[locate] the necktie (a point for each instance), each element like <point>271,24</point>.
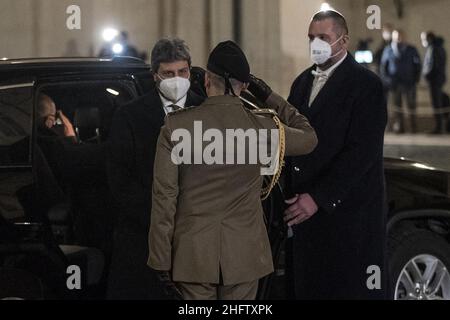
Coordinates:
<point>175,107</point>
<point>320,80</point>
<point>428,61</point>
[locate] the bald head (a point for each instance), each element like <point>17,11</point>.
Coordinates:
<point>46,111</point>
<point>46,106</point>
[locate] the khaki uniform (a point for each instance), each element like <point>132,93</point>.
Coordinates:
<point>207,220</point>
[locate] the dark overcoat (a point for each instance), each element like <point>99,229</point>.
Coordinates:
<point>334,250</point>
<point>131,153</point>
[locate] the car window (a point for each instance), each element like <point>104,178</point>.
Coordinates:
<point>73,121</point>
<point>16,104</point>
<point>145,81</point>
<point>88,106</point>
<point>15,124</point>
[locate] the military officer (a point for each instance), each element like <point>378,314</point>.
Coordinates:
<point>207,230</point>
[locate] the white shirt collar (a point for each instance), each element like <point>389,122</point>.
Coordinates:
<point>331,69</point>
<point>167,103</point>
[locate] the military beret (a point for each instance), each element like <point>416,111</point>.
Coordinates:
<point>228,60</point>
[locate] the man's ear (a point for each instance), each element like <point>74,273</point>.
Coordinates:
<point>346,40</point>
<point>207,80</point>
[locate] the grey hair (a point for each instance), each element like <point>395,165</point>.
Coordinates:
<point>169,50</point>
<point>219,83</point>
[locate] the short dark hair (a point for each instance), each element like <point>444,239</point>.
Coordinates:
<point>169,50</point>
<point>338,19</point>
<point>218,82</point>
<point>431,37</point>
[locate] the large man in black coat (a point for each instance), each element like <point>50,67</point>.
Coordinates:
<point>337,208</point>
<point>132,147</point>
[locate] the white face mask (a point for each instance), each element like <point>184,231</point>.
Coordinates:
<point>174,89</point>
<point>321,50</point>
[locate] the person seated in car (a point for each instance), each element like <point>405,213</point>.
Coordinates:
<point>53,122</point>
<point>77,168</point>
<point>54,133</point>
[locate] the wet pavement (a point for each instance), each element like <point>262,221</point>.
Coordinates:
<point>430,149</point>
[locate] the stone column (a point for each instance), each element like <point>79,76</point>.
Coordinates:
<point>261,39</point>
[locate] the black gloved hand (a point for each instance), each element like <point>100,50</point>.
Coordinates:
<point>259,88</point>
<point>169,287</point>
<point>198,81</point>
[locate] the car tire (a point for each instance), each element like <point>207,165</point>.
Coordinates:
<point>413,255</point>
<point>17,284</point>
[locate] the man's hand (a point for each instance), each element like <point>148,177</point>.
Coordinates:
<point>169,287</point>
<point>302,207</point>
<point>68,127</point>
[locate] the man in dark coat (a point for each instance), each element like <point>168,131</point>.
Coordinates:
<point>434,67</point>
<point>400,69</point>
<point>132,146</point>
<point>337,209</point>
<point>55,133</point>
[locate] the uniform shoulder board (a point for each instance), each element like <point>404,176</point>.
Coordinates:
<point>264,112</point>
<point>181,110</point>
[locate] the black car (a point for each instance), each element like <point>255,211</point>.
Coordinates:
<point>55,205</point>
<point>418,229</point>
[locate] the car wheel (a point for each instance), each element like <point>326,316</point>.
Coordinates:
<point>16,284</point>
<point>419,262</point>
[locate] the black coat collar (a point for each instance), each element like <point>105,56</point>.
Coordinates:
<point>330,90</point>
<point>153,100</point>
